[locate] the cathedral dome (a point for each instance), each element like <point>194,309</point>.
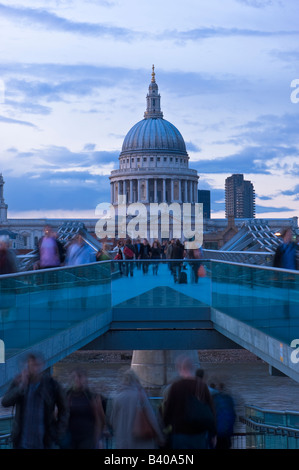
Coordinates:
<point>155,135</point>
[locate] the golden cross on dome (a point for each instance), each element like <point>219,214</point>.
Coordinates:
<point>153,74</point>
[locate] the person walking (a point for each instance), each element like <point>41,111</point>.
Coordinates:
<point>129,256</point>
<point>41,412</point>
<point>155,255</point>
<point>225,414</point>
<point>119,256</point>
<point>51,251</point>
<point>286,255</point>
<point>177,253</point>
<point>123,414</point>
<point>86,414</point>
<point>188,410</point>
<point>8,261</point>
<point>146,254</point>
<point>78,252</point>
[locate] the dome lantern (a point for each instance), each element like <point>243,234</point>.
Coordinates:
<point>153,98</point>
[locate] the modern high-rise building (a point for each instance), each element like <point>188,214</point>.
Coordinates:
<point>239,197</point>
<point>204,197</point>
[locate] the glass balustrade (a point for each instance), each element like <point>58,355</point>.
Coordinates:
<point>35,305</point>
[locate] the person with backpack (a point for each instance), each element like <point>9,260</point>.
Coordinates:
<point>225,415</point>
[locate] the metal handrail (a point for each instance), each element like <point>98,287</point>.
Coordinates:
<point>270,428</point>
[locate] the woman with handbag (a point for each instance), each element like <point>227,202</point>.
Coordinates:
<point>132,418</point>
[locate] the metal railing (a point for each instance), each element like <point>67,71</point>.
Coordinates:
<point>246,257</point>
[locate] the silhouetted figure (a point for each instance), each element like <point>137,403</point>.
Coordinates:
<point>40,407</point>
<point>86,414</point>
<point>188,410</point>
<point>286,254</point>
<point>123,413</point>
<point>51,251</point>
<point>8,261</point>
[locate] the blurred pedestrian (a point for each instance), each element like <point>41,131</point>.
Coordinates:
<point>79,252</point>
<point>125,406</point>
<point>41,413</point>
<point>146,254</point>
<point>225,415</point>
<point>286,255</point>
<point>51,251</point>
<point>188,410</point>
<point>119,256</point>
<point>129,256</point>
<point>86,414</point>
<point>177,253</point>
<point>155,255</point>
<point>8,260</point>
<point>103,254</point>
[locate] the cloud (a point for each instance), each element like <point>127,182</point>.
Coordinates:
<point>28,107</point>
<point>45,19</point>
<point>271,130</point>
<point>7,120</point>
<point>257,3</point>
<point>264,198</point>
<point>59,158</point>
<point>265,209</point>
<point>221,32</point>
<point>49,191</point>
<point>53,22</point>
<point>248,160</point>
<point>292,192</point>
<point>191,147</point>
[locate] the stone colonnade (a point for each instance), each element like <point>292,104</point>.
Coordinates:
<point>156,189</point>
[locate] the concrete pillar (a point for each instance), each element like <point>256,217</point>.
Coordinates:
<point>156,369</point>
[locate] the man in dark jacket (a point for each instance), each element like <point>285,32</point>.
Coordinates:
<point>41,409</point>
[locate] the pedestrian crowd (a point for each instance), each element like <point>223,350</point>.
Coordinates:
<point>140,254</point>
<point>145,256</point>
<point>191,414</point>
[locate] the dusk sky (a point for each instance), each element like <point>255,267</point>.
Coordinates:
<point>74,75</point>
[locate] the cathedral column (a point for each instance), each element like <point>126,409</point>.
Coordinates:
<point>131,191</point>
<point>171,189</point>
<point>164,190</point>
<point>111,193</point>
<point>138,190</point>
<point>146,190</point>
<point>180,191</point>
<point>155,190</point>
<point>125,189</point>
<point>186,191</point>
